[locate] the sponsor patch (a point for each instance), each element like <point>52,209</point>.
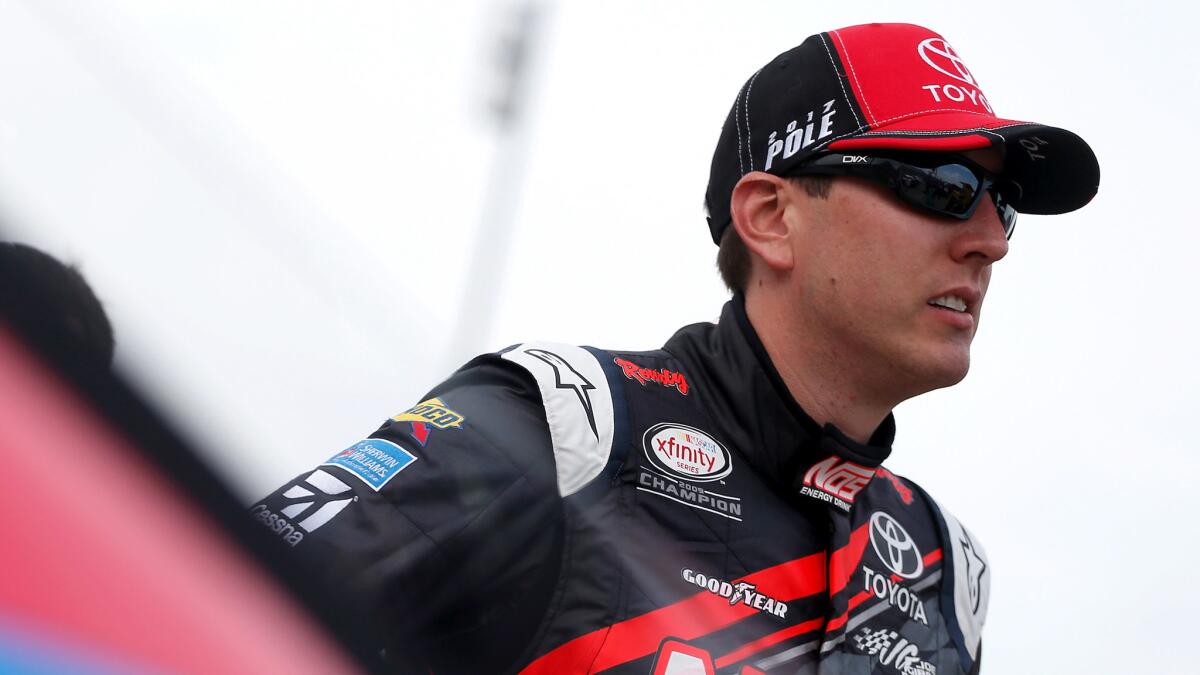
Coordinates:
<point>667,378</point>
<point>676,657</point>
<point>895,548</point>
<point>894,651</point>
<point>429,413</point>
<point>690,495</point>
<point>895,593</point>
<point>374,460</point>
<point>836,481</point>
<point>903,490</point>
<point>307,505</point>
<point>686,452</point>
<point>738,591</point>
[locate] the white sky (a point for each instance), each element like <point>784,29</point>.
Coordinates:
<point>278,203</point>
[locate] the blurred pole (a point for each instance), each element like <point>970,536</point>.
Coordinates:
<point>516,42</point>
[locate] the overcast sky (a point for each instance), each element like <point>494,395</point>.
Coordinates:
<point>280,204</point>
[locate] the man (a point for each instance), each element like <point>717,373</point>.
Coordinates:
<point>719,505</point>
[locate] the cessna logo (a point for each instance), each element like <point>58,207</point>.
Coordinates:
<point>836,481</point>
<point>314,501</point>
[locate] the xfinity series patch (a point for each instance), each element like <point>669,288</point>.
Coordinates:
<point>374,460</point>
<point>686,452</point>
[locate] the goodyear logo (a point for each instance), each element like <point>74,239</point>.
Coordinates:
<point>432,412</point>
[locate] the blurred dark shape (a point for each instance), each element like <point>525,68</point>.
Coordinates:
<point>53,301</point>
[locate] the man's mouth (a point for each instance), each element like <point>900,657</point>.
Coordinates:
<point>951,302</point>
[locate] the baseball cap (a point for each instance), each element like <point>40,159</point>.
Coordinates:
<point>887,86</point>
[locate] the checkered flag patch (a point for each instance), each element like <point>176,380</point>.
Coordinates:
<point>874,642</point>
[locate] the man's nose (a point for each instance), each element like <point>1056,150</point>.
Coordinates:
<point>982,235</point>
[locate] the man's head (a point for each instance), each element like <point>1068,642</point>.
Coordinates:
<point>863,182</point>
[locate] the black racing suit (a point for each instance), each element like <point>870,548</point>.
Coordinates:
<point>556,509</point>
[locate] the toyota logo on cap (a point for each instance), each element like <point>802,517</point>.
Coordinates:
<point>942,58</point>
<point>894,547</point>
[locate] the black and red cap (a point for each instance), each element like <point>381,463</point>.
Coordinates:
<point>887,86</point>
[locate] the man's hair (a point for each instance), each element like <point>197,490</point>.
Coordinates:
<point>53,302</point>
<point>733,258</point>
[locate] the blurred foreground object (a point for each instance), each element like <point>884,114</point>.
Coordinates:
<point>108,568</point>
<point>120,551</point>
<point>35,288</point>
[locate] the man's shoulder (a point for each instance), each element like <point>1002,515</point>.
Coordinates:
<point>966,572</point>
<point>522,406</point>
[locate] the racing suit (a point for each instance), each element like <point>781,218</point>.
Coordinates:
<point>553,509</point>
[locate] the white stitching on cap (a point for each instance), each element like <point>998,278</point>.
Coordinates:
<point>918,113</point>
<point>935,132</point>
<point>887,134</point>
<point>854,74</point>
<point>749,137</point>
<point>845,96</point>
<point>738,127</point>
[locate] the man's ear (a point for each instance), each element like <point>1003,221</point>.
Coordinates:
<point>757,206</point>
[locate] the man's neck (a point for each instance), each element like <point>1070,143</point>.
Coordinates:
<point>822,382</point>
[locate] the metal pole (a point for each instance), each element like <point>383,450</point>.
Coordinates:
<point>488,262</point>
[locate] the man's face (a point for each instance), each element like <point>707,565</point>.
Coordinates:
<point>871,273</point>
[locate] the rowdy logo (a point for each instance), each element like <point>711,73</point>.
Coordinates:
<point>667,378</point>
<point>837,481</point>
<point>432,412</point>
<point>906,494</point>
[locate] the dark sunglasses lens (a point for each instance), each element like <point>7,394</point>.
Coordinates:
<point>949,188</point>
<point>1008,215</point>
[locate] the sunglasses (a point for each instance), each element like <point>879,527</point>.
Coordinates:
<point>946,184</point>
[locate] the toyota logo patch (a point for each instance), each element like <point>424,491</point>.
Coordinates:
<point>894,547</point>
<point>942,58</point>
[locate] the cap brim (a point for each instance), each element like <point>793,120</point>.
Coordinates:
<point>1056,169</point>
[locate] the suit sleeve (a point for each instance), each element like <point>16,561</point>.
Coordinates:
<point>444,525</point>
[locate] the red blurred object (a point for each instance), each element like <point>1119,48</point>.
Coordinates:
<point>101,553</point>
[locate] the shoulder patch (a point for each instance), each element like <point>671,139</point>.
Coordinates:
<point>970,580</point>
<point>579,408</point>
<point>374,460</point>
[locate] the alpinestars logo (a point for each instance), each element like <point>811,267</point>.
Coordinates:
<point>315,501</point>
<point>893,651</point>
<point>566,377</point>
<point>975,569</point>
<point>836,481</point>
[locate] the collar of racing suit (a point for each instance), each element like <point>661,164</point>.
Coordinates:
<point>751,403</point>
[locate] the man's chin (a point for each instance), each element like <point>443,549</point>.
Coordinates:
<point>940,371</point>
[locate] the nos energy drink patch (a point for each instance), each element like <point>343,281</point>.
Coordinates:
<point>374,460</point>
